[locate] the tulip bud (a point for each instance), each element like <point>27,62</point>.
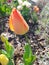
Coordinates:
<point>36,8</point>
<point>3,59</point>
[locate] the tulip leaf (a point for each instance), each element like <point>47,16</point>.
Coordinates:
<point>4,52</point>
<point>8,47</point>
<point>11,62</point>
<point>28,57</point>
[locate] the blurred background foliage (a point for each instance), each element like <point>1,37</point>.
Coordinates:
<point>23,6</point>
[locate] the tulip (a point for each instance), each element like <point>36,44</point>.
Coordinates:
<point>17,23</point>
<point>3,59</point>
<point>36,8</point>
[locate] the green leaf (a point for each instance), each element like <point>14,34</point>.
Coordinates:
<point>34,17</point>
<point>9,48</point>
<point>3,52</point>
<point>3,1</point>
<point>28,57</point>
<point>11,62</point>
<point>5,8</point>
<point>25,13</point>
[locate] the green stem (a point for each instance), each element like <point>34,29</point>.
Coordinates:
<point>27,39</point>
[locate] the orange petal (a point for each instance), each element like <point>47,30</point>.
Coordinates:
<point>10,23</point>
<point>17,23</point>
